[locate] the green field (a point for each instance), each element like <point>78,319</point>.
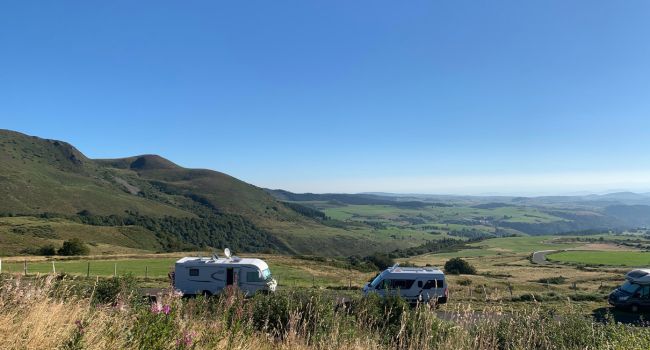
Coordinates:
<point>610,258</point>
<point>286,270</point>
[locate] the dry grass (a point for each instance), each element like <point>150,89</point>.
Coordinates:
<point>46,313</point>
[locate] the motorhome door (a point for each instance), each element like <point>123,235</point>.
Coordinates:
<point>230,276</point>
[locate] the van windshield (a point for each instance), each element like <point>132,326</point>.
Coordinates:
<point>629,287</point>
<point>376,281</point>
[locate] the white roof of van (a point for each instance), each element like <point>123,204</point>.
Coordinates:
<point>417,270</point>
<point>197,261</point>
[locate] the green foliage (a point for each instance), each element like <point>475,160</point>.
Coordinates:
<point>434,246</point>
<point>381,261</point>
<point>73,246</point>
<point>552,280</point>
<point>154,329</point>
<point>112,290</point>
<point>47,250</point>
<point>306,211</point>
<point>458,266</point>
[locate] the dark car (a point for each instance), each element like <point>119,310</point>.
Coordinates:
<point>631,295</point>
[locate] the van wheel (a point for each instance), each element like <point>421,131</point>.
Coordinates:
<point>634,308</point>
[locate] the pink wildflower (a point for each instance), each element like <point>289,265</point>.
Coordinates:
<point>166,309</point>
<point>156,308</point>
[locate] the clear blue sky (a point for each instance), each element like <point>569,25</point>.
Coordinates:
<point>343,96</point>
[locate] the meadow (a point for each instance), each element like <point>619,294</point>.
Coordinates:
<point>59,312</point>
<point>610,258</point>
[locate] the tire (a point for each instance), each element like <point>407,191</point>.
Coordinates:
<point>442,300</point>
<point>206,293</point>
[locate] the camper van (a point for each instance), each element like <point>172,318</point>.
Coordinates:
<point>415,284</point>
<point>210,276</point>
<point>634,293</point>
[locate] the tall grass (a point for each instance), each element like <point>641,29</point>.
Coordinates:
<point>59,312</point>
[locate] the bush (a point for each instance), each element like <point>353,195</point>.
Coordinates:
<point>552,280</point>
<point>382,261</point>
<point>47,250</point>
<point>465,282</point>
<point>73,246</point>
<point>457,266</point>
<point>109,291</point>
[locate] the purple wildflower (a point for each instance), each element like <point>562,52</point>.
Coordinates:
<point>187,339</point>
<point>156,308</point>
<point>80,326</point>
<point>166,309</point>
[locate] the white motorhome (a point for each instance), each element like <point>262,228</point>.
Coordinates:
<point>415,284</point>
<point>210,276</point>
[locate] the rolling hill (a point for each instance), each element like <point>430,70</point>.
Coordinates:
<point>180,208</point>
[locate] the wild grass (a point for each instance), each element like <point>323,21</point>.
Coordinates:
<point>58,312</point>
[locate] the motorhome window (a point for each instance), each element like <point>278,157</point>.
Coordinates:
<point>440,283</point>
<point>194,272</point>
<point>419,284</point>
<point>401,284</point>
<point>629,287</point>
<point>253,276</point>
<point>266,274</point>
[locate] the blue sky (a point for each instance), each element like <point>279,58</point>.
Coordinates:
<point>512,97</point>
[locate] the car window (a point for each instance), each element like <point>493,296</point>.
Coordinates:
<point>645,292</point>
<point>439,283</point>
<point>400,284</point>
<point>430,284</point>
<point>629,287</point>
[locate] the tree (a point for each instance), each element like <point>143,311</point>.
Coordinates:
<point>458,266</point>
<point>382,261</point>
<point>73,246</point>
<point>47,250</point>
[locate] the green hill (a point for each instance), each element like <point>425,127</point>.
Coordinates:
<point>180,208</point>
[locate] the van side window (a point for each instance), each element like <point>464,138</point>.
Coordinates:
<point>401,284</point>
<point>645,292</point>
<point>430,284</point>
<point>440,283</point>
<point>194,272</point>
<point>419,284</point>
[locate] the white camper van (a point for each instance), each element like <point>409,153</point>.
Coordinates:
<point>209,276</point>
<point>415,284</point>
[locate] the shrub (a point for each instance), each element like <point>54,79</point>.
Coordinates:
<point>47,250</point>
<point>465,282</point>
<point>109,291</point>
<point>552,280</point>
<point>382,261</point>
<point>457,266</point>
<point>73,246</point>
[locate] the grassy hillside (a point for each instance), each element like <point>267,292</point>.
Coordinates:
<point>172,207</point>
